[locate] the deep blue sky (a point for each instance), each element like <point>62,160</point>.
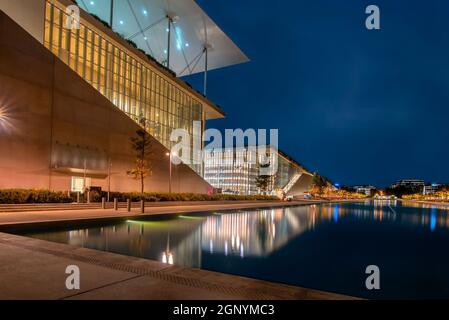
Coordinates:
<point>359,106</point>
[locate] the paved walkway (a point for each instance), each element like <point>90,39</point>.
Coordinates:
<point>17,220</point>
<point>35,269</point>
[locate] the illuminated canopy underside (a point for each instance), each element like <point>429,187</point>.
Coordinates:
<point>145,22</point>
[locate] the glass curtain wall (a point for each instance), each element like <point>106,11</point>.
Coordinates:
<point>285,173</point>
<point>131,84</point>
<point>235,170</point>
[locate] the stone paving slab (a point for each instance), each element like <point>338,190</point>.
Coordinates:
<point>35,269</point>
<point>30,275</point>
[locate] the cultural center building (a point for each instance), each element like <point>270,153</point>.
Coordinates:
<point>78,79</point>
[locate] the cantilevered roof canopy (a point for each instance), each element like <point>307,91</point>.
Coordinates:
<point>146,23</point>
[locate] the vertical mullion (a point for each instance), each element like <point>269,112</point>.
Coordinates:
<point>136,89</point>
<point>84,53</point>
<point>128,86</point>
<point>100,45</point>
<point>68,44</point>
<point>92,53</point>
<point>144,105</point>
<point>51,26</point>
<point>106,71</point>
<point>111,73</point>
<point>61,29</point>
<point>119,79</point>
<point>77,48</point>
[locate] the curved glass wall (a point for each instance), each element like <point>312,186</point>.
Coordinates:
<point>234,170</point>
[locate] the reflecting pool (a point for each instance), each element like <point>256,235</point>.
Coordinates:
<point>326,247</point>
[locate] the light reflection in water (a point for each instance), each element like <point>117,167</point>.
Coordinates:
<point>260,233</point>
<point>433,219</point>
<point>293,245</point>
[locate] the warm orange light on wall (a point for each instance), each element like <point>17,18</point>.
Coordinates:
<point>6,122</point>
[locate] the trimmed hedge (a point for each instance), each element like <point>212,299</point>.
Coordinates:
<point>21,196</point>
<point>161,197</point>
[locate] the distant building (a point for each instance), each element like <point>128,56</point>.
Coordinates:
<point>431,189</point>
<point>411,183</point>
<point>367,190</point>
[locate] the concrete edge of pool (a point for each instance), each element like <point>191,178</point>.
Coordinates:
<point>15,222</point>
<point>35,269</point>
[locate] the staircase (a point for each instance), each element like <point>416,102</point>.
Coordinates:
<point>292,182</point>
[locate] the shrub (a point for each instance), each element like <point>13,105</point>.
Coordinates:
<point>440,196</point>
<point>164,197</point>
<point>21,196</point>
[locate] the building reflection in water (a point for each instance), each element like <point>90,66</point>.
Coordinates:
<point>185,240</point>
<point>253,233</point>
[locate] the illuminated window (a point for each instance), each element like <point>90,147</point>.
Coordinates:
<point>78,184</point>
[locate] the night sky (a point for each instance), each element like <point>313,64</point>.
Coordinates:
<point>359,106</point>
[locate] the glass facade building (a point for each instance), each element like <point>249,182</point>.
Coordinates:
<point>149,96</point>
<point>231,170</point>
<point>234,170</point>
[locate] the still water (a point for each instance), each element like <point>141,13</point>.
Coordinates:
<point>325,247</point>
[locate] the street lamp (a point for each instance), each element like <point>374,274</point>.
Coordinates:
<point>170,155</point>
<point>109,178</point>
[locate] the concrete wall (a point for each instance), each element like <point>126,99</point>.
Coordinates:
<point>52,122</point>
<point>301,186</point>
<point>30,14</point>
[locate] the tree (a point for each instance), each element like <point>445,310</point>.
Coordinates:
<point>142,147</point>
<point>401,191</point>
<point>319,184</point>
<point>263,181</point>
